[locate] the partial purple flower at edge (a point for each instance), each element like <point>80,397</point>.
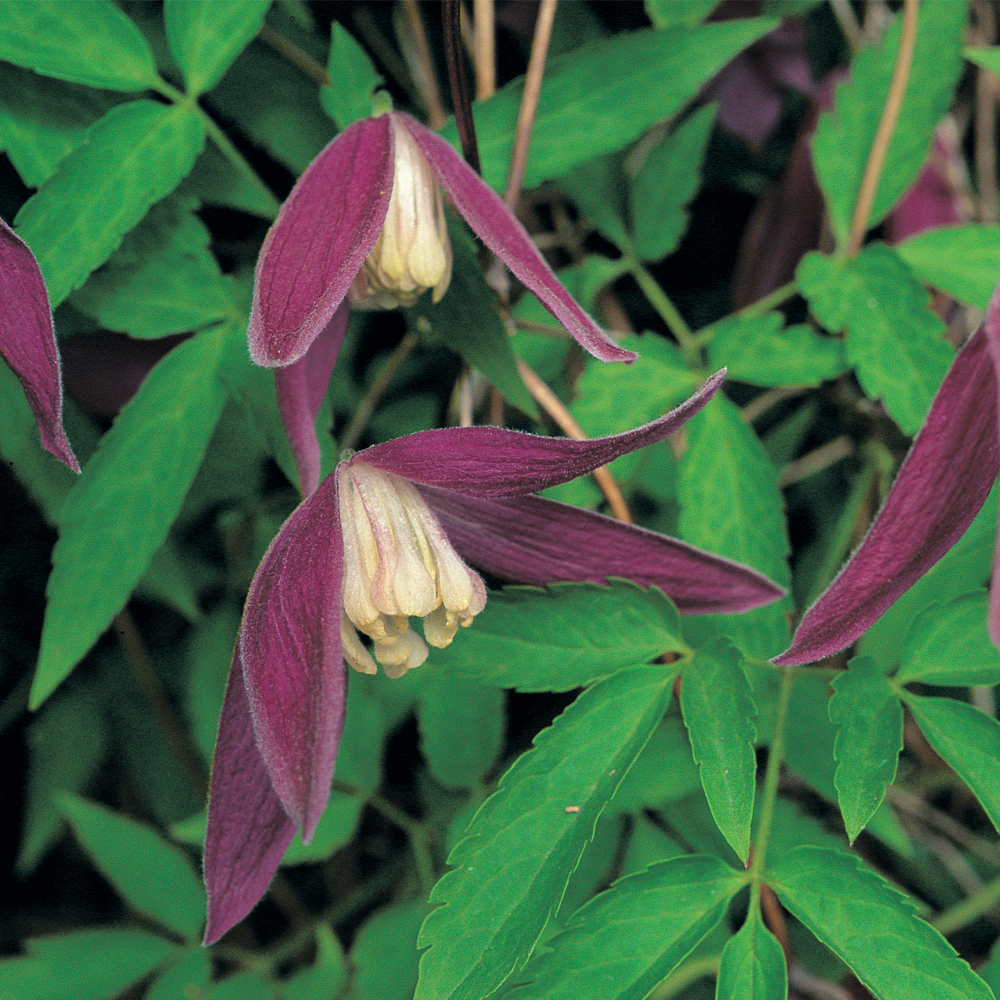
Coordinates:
<point>28,343</point>
<point>332,219</point>
<point>941,486</point>
<point>283,712</point>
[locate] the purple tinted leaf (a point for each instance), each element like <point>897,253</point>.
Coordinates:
<point>248,830</point>
<point>289,645</point>
<point>28,342</point>
<point>497,227</point>
<point>940,487</point>
<point>496,462</point>
<point>314,250</point>
<point>538,541</point>
<point>300,387</point>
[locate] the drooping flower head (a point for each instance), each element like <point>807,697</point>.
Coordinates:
<point>386,538</point>
<point>366,217</point>
<point>28,342</point>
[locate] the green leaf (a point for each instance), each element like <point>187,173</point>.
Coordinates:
<point>205,36</point>
<point>356,79</point>
<point>189,977</point>
<point>661,913</point>
<point>872,928</point>
<point>85,965</point>
<point>466,319</point>
<point>325,977</point>
<point>121,508</point>
<point>844,137</point>
<point>83,41</point>
<point>461,728</point>
<point>600,97</point>
<point>565,636</point>
<point>66,742</point>
<point>757,350</point>
<point>508,875</point>
<point>948,644</point>
<point>718,711</point>
<point>963,261</point>
<point>666,182</point>
<point>893,339</point>
<point>161,280</point>
<point>133,156</point>
<point>596,187</point>
<point>664,771</point>
<point>42,120</point>
<point>384,955</point>
<point>668,13</point>
<point>753,964</point>
<point>153,876</point>
<point>969,742</point>
<point>870,735</point>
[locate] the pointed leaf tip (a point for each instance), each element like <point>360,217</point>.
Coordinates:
<point>318,243</point>
<point>28,343</point>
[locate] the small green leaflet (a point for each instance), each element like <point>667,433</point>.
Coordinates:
<point>894,341</point>
<point>121,508</point>
<point>631,937</point>
<point>753,964</point>
<point>757,350</point>
<point>718,711</point>
<point>969,742</point>
<point>205,36</point>
<point>963,261</point>
<point>190,976</point>
<point>83,41</point>
<point>872,927</point>
<point>666,182</point>
<point>161,280</point>
<point>869,717</point>
<point>844,136</point>
<point>948,644</point>
<point>152,875</point>
<point>136,154</point>
<point>325,977</point>
<point>461,728</point>
<point>669,13</point>
<point>384,954</point>
<point>356,79</point>
<point>601,96</point>
<point>83,964</point>
<point>509,873</point>
<point>563,637</point>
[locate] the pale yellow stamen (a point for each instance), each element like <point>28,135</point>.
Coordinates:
<point>413,252</point>
<point>398,563</point>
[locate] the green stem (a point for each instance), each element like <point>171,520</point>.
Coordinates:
<point>769,792</point>
<point>419,840</point>
<point>686,974</point>
<point>228,150</point>
<point>962,914</point>
<point>668,311</point>
<point>769,301</point>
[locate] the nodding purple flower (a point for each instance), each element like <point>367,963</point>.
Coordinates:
<point>940,488</point>
<point>388,537</point>
<point>28,341</point>
<point>366,221</point>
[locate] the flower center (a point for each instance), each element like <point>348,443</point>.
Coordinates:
<point>413,252</point>
<point>398,563</point>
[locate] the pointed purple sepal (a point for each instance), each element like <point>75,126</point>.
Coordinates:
<point>317,245</point>
<point>28,342</point>
<point>300,388</point>
<point>495,224</point>
<point>496,462</point>
<point>248,830</point>
<point>940,488</point>
<point>289,645</point>
<point>538,541</point>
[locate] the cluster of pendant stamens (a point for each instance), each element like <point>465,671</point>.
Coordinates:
<point>398,564</point>
<point>413,252</point>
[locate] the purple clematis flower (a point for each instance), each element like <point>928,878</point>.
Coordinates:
<point>941,486</point>
<point>366,218</point>
<point>28,342</point>
<point>385,538</point>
